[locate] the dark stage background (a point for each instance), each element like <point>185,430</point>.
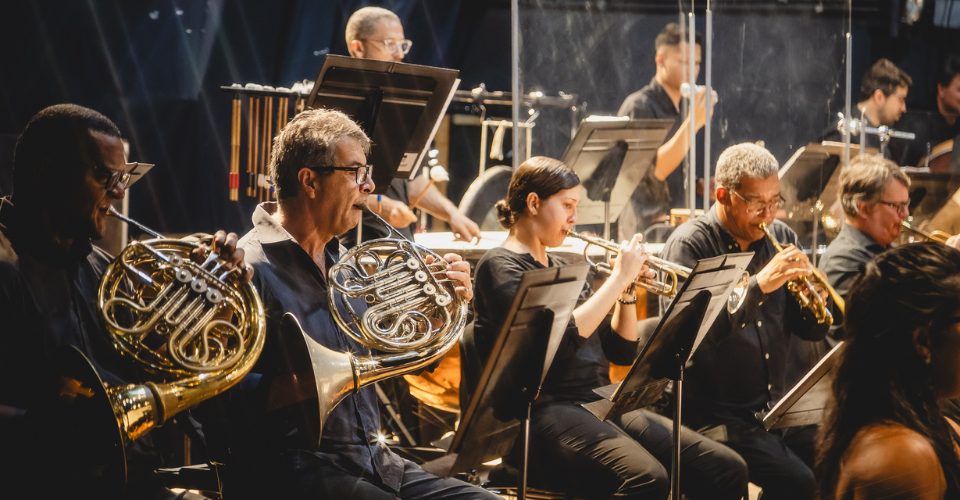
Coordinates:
<point>155,68</point>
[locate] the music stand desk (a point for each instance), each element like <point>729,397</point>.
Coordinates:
<point>513,373</point>
<point>629,147</point>
<point>398,105</point>
<point>683,326</point>
<point>805,402</point>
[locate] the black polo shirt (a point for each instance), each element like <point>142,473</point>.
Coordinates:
<point>652,101</point>
<point>748,359</point>
<point>581,364</point>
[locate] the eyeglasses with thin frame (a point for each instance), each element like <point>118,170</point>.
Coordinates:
<point>899,206</point>
<point>758,206</point>
<point>113,179</point>
<point>362,172</point>
<point>402,46</point>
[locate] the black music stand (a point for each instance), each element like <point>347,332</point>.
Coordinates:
<point>805,402</point>
<point>598,152</point>
<point>680,331</point>
<point>512,376</point>
<point>811,177</point>
<point>398,105</point>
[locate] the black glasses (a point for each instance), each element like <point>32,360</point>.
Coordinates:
<point>362,172</point>
<point>899,206</point>
<point>758,206</point>
<point>112,179</point>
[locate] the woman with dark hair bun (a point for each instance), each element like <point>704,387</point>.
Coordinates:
<point>570,448</point>
<point>885,435</point>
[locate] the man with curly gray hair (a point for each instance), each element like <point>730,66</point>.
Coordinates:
<point>750,358</point>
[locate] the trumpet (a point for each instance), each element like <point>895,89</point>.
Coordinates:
<point>670,285</point>
<point>671,272</point>
<point>804,291</point>
<point>935,235</point>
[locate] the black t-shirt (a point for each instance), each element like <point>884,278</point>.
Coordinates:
<point>581,364</point>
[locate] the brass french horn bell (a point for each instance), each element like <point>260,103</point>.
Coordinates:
<point>188,330</point>
<point>390,295</point>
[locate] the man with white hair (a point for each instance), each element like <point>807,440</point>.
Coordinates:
<point>377,33</point>
<point>748,359</point>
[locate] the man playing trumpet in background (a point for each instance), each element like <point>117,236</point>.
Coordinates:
<point>750,358</point>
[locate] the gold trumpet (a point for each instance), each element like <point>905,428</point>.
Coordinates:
<point>671,272</point>
<point>804,291</point>
<point>935,235</point>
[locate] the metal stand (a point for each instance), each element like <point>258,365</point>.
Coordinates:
<point>677,413</point>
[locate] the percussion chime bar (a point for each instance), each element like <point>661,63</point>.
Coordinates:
<point>267,112</point>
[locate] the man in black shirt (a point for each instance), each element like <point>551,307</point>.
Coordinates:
<point>663,186</point>
<point>748,359</point>
<point>874,194</point>
<point>883,100</point>
<point>323,183</point>
<point>932,129</point>
<point>69,166</point>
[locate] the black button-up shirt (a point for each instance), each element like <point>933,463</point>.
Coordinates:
<point>289,281</point>
<point>749,359</point>
<point>581,364</point>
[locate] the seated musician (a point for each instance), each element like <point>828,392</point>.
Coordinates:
<point>319,167</point>
<point>749,359</point>
<point>885,435</point>
<point>883,100</point>
<point>932,129</point>
<point>874,194</point>
<point>69,166</point>
<point>628,456</point>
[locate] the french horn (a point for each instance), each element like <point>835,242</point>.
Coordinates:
<point>390,295</point>
<point>189,330</point>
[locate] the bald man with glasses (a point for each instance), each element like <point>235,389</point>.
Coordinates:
<point>377,33</point>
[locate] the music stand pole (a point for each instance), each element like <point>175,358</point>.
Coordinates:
<point>677,413</point>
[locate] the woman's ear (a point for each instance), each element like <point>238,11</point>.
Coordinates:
<point>921,343</point>
<point>533,203</point>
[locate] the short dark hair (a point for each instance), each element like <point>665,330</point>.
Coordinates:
<point>949,70</point>
<point>55,150</point>
<point>310,140</point>
<point>540,174</point>
<point>884,76</point>
<point>673,36</point>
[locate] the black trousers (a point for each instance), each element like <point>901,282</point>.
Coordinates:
<point>779,461</point>
<point>573,451</point>
<point>321,480</point>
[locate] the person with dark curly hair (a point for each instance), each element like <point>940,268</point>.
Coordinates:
<point>627,456</point>
<point>885,435</point>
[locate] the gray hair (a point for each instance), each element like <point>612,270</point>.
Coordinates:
<point>864,180</point>
<point>310,139</point>
<point>363,23</point>
<point>744,160</point>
